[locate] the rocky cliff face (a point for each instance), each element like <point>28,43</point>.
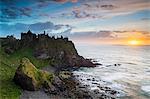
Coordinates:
<point>59,51</point>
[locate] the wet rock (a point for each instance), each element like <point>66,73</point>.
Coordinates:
<point>82,87</point>
<point>88,79</point>
<point>98,64</point>
<point>95,83</point>
<point>96,91</point>
<point>77,75</point>
<point>86,86</point>
<point>113,92</point>
<point>57,82</point>
<point>117,64</point>
<point>82,94</point>
<point>106,87</point>
<point>108,65</point>
<point>93,79</point>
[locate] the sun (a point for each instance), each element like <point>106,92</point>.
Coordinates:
<point>134,42</point>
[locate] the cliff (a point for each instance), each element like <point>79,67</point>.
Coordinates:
<point>60,52</point>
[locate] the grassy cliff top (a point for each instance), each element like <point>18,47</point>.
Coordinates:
<point>8,66</point>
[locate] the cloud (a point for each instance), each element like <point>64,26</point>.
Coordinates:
<point>66,0</point>
<point>145,19</point>
<point>79,14</point>
<point>61,29</point>
<point>132,33</point>
<point>108,8</point>
<point>59,26</point>
<point>92,34</point>
<point>106,34</point>
<point>39,27</point>
<point>11,9</point>
<point>7,14</point>
<point>44,15</point>
<point>26,11</point>
<point>61,0</point>
<point>42,4</point>
<point>143,32</point>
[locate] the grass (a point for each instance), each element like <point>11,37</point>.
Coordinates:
<point>39,77</point>
<point>8,65</point>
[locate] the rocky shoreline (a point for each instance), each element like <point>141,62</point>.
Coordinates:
<point>80,91</point>
<point>69,85</point>
<point>83,93</point>
<point>97,88</point>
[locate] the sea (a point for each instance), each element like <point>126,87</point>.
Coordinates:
<point>124,68</point>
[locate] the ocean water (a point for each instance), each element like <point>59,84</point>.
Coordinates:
<point>131,77</point>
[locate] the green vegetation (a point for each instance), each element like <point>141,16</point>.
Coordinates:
<point>8,65</point>
<point>39,77</point>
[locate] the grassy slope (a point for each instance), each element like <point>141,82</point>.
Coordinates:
<point>8,65</point>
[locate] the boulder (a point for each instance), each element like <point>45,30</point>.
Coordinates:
<point>31,78</point>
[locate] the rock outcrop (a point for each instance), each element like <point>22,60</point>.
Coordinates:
<point>31,78</point>
<point>60,51</point>
<point>62,84</point>
<point>28,77</point>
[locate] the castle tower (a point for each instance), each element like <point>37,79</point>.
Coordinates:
<point>28,37</point>
<point>29,32</point>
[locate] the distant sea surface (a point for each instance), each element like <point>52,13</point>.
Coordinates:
<point>131,77</point>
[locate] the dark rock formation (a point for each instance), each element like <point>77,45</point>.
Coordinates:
<point>30,78</point>
<point>63,84</point>
<point>10,44</point>
<point>59,51</point>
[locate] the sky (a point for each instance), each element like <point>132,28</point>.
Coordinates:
<point>83,21</point>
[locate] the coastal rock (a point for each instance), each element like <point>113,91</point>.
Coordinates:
<point>57,82</point>
<point>31,78</point>
<point>63,83</point>
<point>60,51</point>
<point>65,74</point>
<point>85,62</point>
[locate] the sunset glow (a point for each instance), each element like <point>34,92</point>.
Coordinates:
<point>134,42</point>
<point>83,21</point>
